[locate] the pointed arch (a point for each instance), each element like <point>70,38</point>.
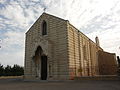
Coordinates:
<point>40,63</point>
<point>39,50</point>
<point>44,28</point>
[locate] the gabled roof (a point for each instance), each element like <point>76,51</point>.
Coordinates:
<point>53,16</point>
<point>46,14</point>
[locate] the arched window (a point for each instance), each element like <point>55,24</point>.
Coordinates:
<point>44,28</point>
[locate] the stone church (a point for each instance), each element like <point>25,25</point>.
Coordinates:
<point>56,50</point>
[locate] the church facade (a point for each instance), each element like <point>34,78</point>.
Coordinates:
<point>56,50</point>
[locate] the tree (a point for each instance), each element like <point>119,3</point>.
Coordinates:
<point>1,70</point>
<point>8,71</point>
<point>16,70</point>
<point>118,59</point>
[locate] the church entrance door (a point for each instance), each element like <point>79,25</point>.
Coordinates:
<point>43,67</point>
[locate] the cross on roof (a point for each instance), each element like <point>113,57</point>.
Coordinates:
<point>44,9</point>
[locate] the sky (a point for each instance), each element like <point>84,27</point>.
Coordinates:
<point>92,17</point>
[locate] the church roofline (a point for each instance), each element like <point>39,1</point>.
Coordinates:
<point>72,26</point>
<point>54,16</point>
<point>62,20</point>
<point>83,34</point>
<point>48,15</point>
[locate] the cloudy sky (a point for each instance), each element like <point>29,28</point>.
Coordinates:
<point>93,17</point>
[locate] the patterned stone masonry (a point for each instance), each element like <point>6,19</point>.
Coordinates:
<point>69,52</point>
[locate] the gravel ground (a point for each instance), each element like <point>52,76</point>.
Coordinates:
<point>19,84</point>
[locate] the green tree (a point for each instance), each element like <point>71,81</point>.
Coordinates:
<point>17,70</point>
<point>8,71</point>
<point>1,70</point>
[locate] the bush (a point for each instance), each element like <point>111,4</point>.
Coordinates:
<point>16,70</point>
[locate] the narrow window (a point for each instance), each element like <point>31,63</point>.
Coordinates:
<point>44,28</point>
<point>84,52</point>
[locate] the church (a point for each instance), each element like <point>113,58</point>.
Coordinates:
<point>56,50</point>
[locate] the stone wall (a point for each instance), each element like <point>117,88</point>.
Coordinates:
<point>54,45</point>
<point>82,53</point>
<point>70,53</point>
<point>107,63</point>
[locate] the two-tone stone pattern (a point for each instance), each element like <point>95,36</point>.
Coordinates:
<point>69,52</point>
<point>54,45</point>
<point>82,54</point>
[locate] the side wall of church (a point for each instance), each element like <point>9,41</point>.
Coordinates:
<point>82,53</point>
<point>54,44</point>
<point>107,63</point>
